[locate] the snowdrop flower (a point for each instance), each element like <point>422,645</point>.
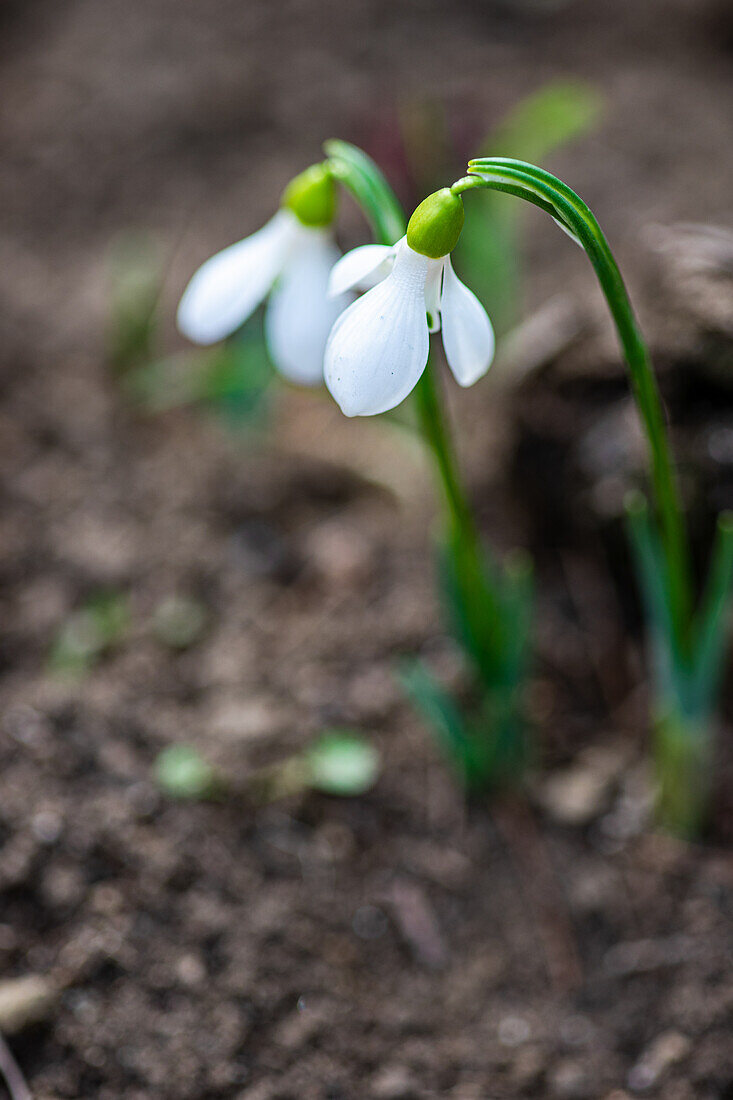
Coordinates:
<point>378,347</point>
<point>289,259</point>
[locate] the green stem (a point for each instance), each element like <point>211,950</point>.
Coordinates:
<point>479,597</point>
<point>551,195</point>
<point>435,431</point>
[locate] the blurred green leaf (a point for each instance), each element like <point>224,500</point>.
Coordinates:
<point>343,763</point>
<point>490,610</point>
<point>440,712</point>
<point>135,280</point>
<point>712,633</point>
<point>487,748</point>
<point>89,633</point>
<point>233,379</point>
<point>182,773</point>
<point>557,113</point>
<point>487,253</point>
<point>367,183</point>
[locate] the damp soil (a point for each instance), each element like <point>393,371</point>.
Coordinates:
<point>402,944</point>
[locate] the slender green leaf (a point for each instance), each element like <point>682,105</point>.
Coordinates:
<point>713,624</point>
<point>360,175</point>
<point>439,711</point>
<point>488,254</point>
<point>342,762</point>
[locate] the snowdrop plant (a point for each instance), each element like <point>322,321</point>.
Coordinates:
<point>688,633</point>
<point>378,353</point>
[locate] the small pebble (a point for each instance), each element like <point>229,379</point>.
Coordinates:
<point>513,1031</point>
<point>25,1001</point>
<point>661,1054</point>
<point>392,1083</point>
<point>47,826</point>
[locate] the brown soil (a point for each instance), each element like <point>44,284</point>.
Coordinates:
<point>400,944</point>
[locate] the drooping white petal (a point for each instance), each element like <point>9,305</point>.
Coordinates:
<point>359,265</point>
<point>378,348</point>
<point>300,314</point>
<point>468,337</point>
<point>229,286</point>
<point>432,293</point>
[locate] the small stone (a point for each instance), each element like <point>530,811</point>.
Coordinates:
<point>393,1083</point>
<point>47,826</point>
<point>191,970</point>
<point>568,1080</point>
<point>179,621</point>
<point>63,886</point>
<point>236,718</point>
<point>578,794</point>
<point>300,1027</point>
<point>513,1031</point>
<point>25,1001</point>
<point>661,1054</point>
<point>339,554</point>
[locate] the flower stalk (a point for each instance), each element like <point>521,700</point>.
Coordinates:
<point>688,648</point>
<point>489,606</point>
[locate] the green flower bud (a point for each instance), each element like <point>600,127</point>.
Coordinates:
<point>434,228</point>
<point>312,196</point>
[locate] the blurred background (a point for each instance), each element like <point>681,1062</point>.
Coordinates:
<point>187,120</point>
<point>189,554</point>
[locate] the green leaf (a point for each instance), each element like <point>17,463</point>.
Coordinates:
<point>439,711</point>
<point>712,629</point>
<point>487,254</point>
<point>135,277</point>
<point>469,591</point>
<point>360,175</point>
<point>233,379</point>
<point>486,750</point>
<point>490,609</point>
<point>182,773</point>
<point>652,577</point>
<point>556,114</point>
<point>89,633</point>
<point>342,762</point>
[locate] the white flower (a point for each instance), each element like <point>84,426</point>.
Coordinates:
<point>289,261</point>
<point>379,346</point>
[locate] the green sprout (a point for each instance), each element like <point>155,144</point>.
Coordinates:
<point>342,763</point>
<point>89,633</point>
<point>182,774</point>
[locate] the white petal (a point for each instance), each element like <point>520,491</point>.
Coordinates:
<point>468,337</point>
<point>299,314</point>
<point>359,265</point>
<point>379,347</point>
<point>432,293</point>
<point>229,287</point>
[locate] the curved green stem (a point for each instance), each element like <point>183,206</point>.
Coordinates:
<point>436,433</point>
<point>554,197</point>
